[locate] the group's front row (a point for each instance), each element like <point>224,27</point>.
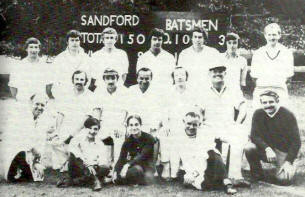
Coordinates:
<point>195,154</point>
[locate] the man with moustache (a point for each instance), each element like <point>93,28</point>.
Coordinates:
<point>272,66</point>
<point>110,57</point>
<point>66,63</point>
<point>274,138</point>
<point>74,105</point>
<point>29,76</point>
<point>110,99</point>
<point>220,106</point>
<point>197,58</point>
<point>237,65</point>
<point>158,60</point>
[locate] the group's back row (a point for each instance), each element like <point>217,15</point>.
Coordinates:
<point>272,65</point>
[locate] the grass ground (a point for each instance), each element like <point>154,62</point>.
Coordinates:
<point>48,188</point>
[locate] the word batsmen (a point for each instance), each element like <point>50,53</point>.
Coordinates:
<point>178,123</point>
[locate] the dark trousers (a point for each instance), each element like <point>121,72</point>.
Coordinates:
<point>77,170</point>
<point>138,174</point>
<point>215,172</point>
<point>19,162</point>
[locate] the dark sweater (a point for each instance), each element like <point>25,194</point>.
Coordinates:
<point>137,152</point>
<point>280,131</point>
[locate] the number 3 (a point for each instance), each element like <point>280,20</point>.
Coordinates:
<point>222,40</point>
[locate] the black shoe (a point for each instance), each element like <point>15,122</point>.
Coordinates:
<point>64,180</point>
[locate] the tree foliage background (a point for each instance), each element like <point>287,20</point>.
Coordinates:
<point>49,20</point>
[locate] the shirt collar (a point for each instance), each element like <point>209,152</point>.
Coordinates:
<point>227,55</point>
<point>221,91</point>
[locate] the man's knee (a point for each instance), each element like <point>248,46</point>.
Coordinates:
<point>134,172</point>
<point>250,149</point>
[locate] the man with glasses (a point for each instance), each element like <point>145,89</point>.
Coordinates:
<point>197,58</point>
<point>158,60</point>
<point>110,57</point>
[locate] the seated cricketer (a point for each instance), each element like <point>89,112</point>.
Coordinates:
<point>198,160</point>
<point>24,139</point>
<point>135,164</point>
<point>89,160</point>
<point>220,106</point>
<point>275,139</point>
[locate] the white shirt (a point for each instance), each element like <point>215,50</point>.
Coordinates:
<point>219,106</point>
<point>117,60</point>
<point>91,152</point>
<point>235,65</point>
<point>272,71</point>
<point>148,104</point>
<point>161,66</point>
<point>75,108</point>
<point>113,105</point>
<point>179,106</point>
<point>29,79</point>
<point>64,66</point>
<point>197,64</point>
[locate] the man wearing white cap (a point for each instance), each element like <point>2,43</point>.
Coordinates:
<point>272,65</point>
<point>237,65</point>
<point>158,60</point>
<point>24,141</point>
<point>110,99</point>
<point>110,57</point>
<point>197,58</point>
<point>220,103</point>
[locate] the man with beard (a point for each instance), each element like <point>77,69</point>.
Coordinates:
<point>110,99</point>
<point>159,61</point>
<point>29,75</point>
<point>272,66</point>
<point>237,65</point>
<point>145,100</point>
<point>197,58</point>
<point>66,63</point>
<point>74,105</point>
<point>198,160</point>
<point>110,57</point>
<point>275,139</point>
<point>225,110</point>
<point>24,139</point>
